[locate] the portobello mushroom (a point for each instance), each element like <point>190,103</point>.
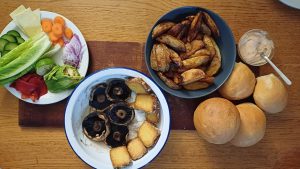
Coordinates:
<point>117,91</point>
<point>117,136</point>
<point>98,98</point>
<point>96,126</point>
<point>120,114</point>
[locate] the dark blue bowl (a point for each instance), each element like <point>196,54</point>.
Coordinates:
<point>225,42</point>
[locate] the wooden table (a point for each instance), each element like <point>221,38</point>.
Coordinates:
<point>130,21</point>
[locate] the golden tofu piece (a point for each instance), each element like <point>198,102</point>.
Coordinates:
<point>148,134</point>
<point>138,85</point>
<point>120,157</point>
<point>136,148</point>
<point>153,117</point>
<point>146,102</point>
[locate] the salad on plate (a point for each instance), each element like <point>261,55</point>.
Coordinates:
<point>42,55</point>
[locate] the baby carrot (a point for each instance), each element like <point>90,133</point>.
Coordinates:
<point>52,37</point>
<point>68,33</point>
<point>46,25</point>
<point>60,20</point>
<point>61,42</point>
<point>57,29</point>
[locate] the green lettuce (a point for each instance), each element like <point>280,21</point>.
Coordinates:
<point>22,57</point>
<point>61,78</point>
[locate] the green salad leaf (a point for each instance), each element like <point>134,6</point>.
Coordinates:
<point>61,78</point>
<point>13,78</point>
<point>23,56</point>
<point>44,66</point>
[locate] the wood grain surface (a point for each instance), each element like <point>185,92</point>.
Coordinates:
<point>130,21</point>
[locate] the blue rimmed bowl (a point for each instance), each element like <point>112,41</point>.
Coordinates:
<point>96,154</point>
<point>225,42</point>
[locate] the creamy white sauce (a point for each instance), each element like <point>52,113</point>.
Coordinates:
<point>253,44</point>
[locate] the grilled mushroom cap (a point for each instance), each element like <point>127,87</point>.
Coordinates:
<point>117,90</point>
<point>120,114</point>
<point>118,136</point>
<point>96,126</point>
<point>98,99</point>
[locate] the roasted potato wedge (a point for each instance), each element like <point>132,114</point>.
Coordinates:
<point>175,58</point>
<point>200,53</point>
<point>190,18</point>
<point>195,27</point>
<point>208,79</point>
<point>215,64</point>
<point>191,76</point>
<point>195,45</point>
<point>163,57</point>
<point>182,34</point>
<point>208,41</point>
<point>177,78</point>
<point>211,24</point>
<point>199,36</point>
<point>175,30</point>
<point>168,82</point>
<point>196,85</point>
<point>161,28</point>
<point>153,59</point>
<point>196,61</point>
<point>205,29</point>
<point>173,42</point>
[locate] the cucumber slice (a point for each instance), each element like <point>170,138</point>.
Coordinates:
<point>10,38</point>
<point>3,42</point>
<point>20,40</point>
<point>4,52</point>
<point>10,46</point>
<point>44,66</point>
<point>14,33</point>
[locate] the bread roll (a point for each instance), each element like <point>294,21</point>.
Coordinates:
<point>252,127</point>
<point>240,83</point>
<point>270,94</point>
<point>217,120</point>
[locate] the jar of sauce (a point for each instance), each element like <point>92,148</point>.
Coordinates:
<point>253,44</point>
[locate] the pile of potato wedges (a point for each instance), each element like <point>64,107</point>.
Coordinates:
<point>185,54</point>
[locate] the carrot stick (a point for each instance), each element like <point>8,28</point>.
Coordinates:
<point>68,33</point>
<point>60,20</point>
<point>57,29</point>
<point>52,37</point>
<point>46,25</point>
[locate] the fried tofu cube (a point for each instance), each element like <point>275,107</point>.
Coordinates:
<point>120,157</point>
<point>147,103</point>
<point>152,117</point>
<point>138,85</point>
<point>148,134</point>
<point>136,148</point>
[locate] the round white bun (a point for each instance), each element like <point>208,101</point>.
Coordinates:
<point>253,125</point>
<point>270,94</point>
<point>217,120</point>
<point>240,83</point>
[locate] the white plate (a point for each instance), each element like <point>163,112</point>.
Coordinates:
<point>292,3</point>
<point>97,154</point>
<point>50,98</point>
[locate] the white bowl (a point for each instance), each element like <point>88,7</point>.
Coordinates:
<point>96,154</point>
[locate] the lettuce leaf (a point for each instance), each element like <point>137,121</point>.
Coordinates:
<point>24,58</point>
<point>61,78</point>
